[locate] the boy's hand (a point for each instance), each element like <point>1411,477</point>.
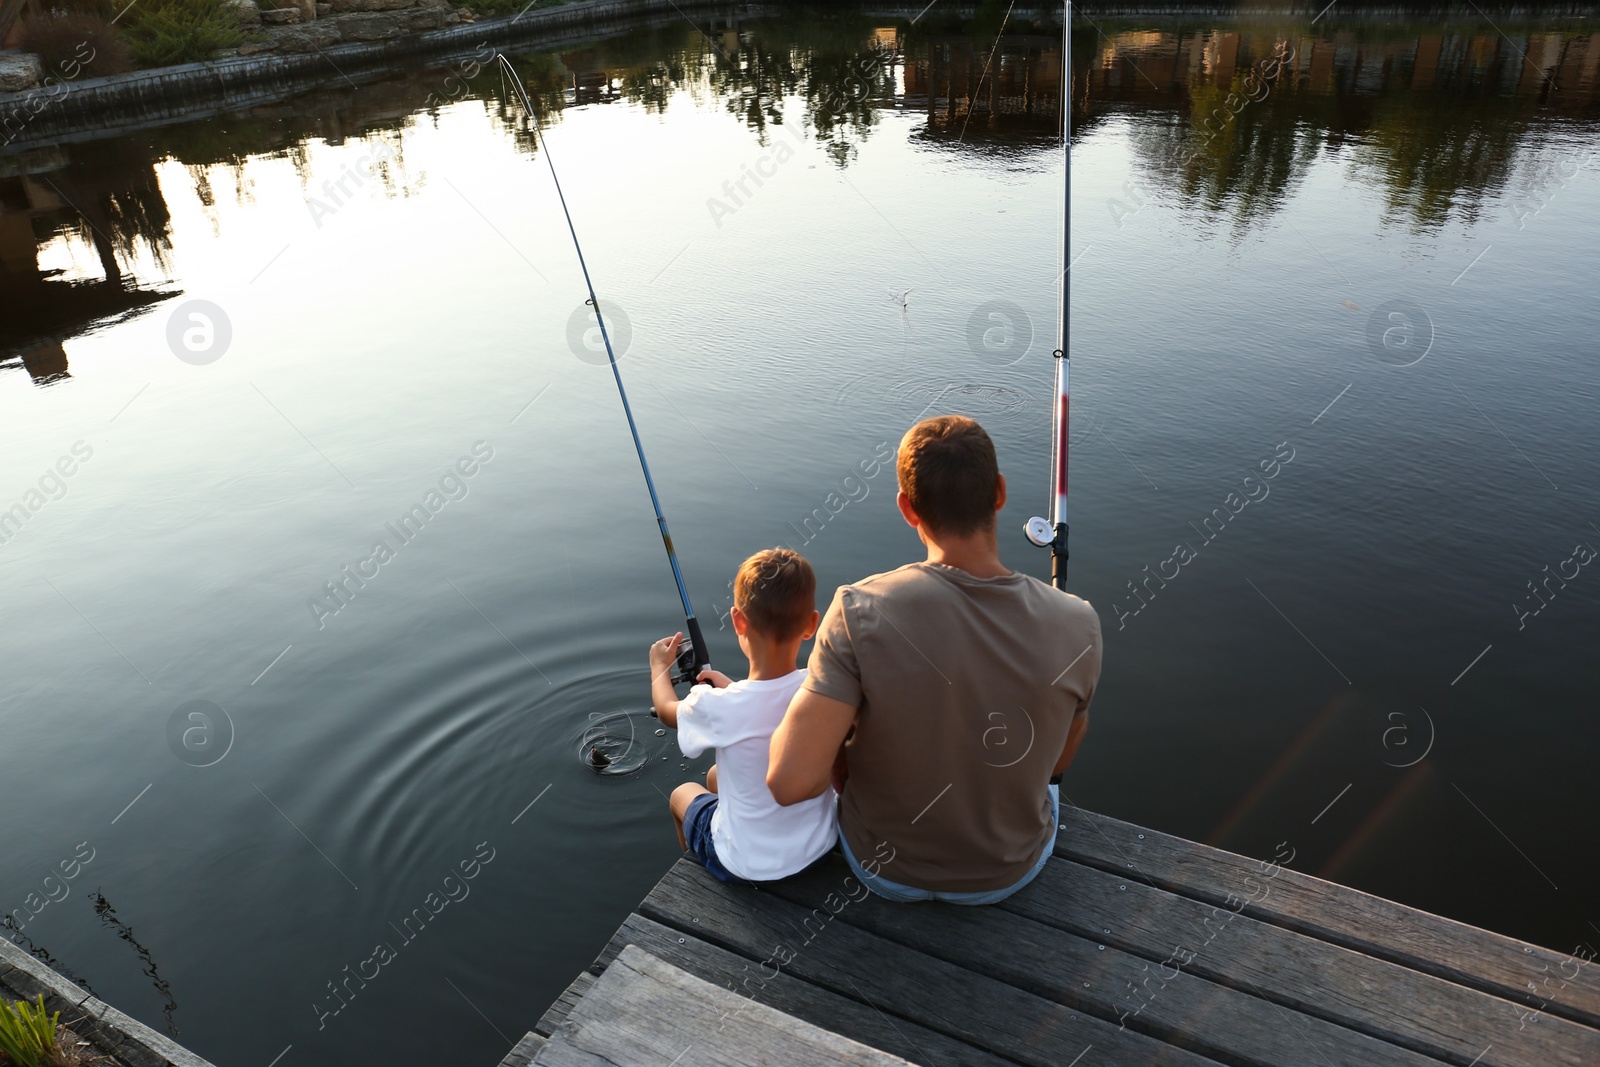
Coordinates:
<point>663,652</point>
<point>841,770</point>
<point>714,678</point>
<point>662,695</point>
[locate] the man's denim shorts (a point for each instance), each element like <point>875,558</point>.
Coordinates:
<point>697,831</point>
<point>883,887</point>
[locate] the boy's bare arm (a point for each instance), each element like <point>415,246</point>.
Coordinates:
<point>662,695</point>
<point>805,746</point>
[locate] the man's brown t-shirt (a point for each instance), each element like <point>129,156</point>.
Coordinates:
<point>966,688</point>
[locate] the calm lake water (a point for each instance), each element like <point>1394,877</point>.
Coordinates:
<point>1372,266</point>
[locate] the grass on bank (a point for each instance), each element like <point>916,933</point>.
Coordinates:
<point>32,1037</point>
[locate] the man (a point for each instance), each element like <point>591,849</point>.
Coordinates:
<point>955,688</point>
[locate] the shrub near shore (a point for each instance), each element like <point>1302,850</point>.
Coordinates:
<point>164,32</point>
<point>155,33</point>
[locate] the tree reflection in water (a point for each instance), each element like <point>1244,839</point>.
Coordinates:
<point>102,196</point>
<point>1440,118</point>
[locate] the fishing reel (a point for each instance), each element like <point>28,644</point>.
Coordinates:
<point>688,663</point>
<point>685,669</point>
<point>692,658</point>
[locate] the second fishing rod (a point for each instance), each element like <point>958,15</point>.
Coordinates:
<point>693,656</point>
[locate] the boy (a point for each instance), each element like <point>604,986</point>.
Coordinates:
<point>734,826</point>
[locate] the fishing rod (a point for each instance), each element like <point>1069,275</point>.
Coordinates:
<point>692,655</point>
<point>1051,533</point>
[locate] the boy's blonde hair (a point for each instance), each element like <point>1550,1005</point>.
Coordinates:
<point>777,591</point>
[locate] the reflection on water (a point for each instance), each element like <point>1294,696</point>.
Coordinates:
<point>1231,122</point>
<point>13,931</point>
<point>376,248</point>
<point>110,920</point>
<point>1437,120</point>
<point>97,202</point>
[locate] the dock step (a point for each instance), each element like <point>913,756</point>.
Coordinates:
<point>1142,947</point>
<point>526,1050</point>
<point>644,1012</point>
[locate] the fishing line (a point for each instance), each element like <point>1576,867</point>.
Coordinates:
<point>693,658</point>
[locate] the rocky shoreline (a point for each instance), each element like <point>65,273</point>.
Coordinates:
<point>283,26</point>
<point>89,108</point>
<point>309,25</point>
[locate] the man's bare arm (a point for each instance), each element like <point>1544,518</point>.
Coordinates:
<point>805,746</point>
<point>1075,732</point>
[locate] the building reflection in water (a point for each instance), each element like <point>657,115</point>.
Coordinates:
<point>1439,122</point>
<point>1011,90</point>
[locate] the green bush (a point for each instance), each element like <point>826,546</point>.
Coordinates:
<point>27,1033</point>
<point>164,32</point>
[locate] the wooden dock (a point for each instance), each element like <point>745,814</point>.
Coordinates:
<point>1132,947</point>
<point>118,1040</point>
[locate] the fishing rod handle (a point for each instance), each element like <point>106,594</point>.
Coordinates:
<point>1041,533</point>
<point>693,656</point>
<point>1058,557</point>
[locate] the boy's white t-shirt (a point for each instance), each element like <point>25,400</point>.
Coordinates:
<point>755,837</point>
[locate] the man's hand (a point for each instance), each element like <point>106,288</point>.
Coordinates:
<point>805,746</point>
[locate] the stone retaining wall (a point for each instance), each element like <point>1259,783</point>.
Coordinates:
<point>19,71</point>
<point>309,25</point>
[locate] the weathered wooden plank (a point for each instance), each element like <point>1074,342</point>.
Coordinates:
<point>796,997</point>
<point>522,1055</point>
<point>1186,1011</point>
<point>90,1018</point>
<point>134,1041</point>
<point>913,984</point>
<point>1442,1019</point>
<point>1544,981</point>
<point>558,1012</point>
<point>31,977</point>
<point>646,1011</point>
<point>22,977</point>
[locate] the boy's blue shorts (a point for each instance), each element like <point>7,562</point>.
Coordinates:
<point>697,831</point>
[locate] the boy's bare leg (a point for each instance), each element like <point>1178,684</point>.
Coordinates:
<point>679,802</point>
<point>711,779</point>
